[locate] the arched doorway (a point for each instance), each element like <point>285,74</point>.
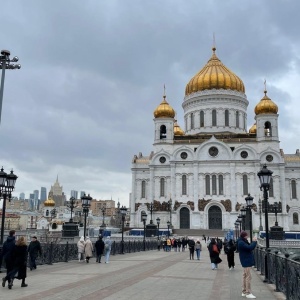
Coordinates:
<point>214,217</point>
<point>184,218</point>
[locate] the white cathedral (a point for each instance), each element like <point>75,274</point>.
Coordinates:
<point>199,178</point>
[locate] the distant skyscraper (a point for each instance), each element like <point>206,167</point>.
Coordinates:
<point>82,193</point>
<point>74,194</point>
<point>43,194</point>
<point>22,196</point>
<point>31,201</point>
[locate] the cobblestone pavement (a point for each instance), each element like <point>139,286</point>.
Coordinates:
<point>142,276</point>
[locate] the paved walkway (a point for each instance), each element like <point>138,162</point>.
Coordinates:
<point>147,275</point>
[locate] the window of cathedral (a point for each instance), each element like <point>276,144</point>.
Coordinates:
<point>163,132</point>
<point>245,185</point>
<point>295,218</point>
<point>214,117</point>
<point>213,151</point>
<point>184,185</point>
<point>268,129</point>
<point>237,119</point>
<point>221,190</point>
<point>271,188</point>
<point>143,189</point>
<point>226,117</point>
<point>214,185</point>
<point>162,187</point>
<point>162,159</point>
<point>294,190</point>
<point>183,155</point>
<point>192,121</point>
<point>269,158</point>
<point>244,154</point>
<point>207,184</point>
<point>201,118</point>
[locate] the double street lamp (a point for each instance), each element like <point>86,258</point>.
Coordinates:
<point>144,219</point>
<point>7,185</point>
<point>265,176</point>
<point>158,222</point>
<point>86,203</point>
<point>123,211</point>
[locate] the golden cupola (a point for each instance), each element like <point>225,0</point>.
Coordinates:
<point>266,106</point>
<point>177,129</point>
<point>252,130</point>
<point>49,202</point>
<point>214,75</point>
<point>164,110</point>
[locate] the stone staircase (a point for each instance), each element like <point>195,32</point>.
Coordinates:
<point>199,232</point>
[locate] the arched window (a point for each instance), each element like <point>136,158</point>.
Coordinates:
<point>54,226</point>
<point>245,185</point>
<point>163,132</point>
<point>268,129</point>
<point>245,123</point>
<point>214,117</point>
<point>192,121</point>
<point>183,184</point>
<point>237,119</point>
<point>221,191</point>
<point>226,117</point>
<point>201,118</point>
<point>214,184</point>
<point>207,184</point>
<point>295,218</point>
<point>271,190</point>
<point>162,187</point>
<point>47,213</point>
<point>143,189</point>
<point>294,190</point>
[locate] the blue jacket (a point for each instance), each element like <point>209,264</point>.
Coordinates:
<point>8,247</point>
<point>245,251</point>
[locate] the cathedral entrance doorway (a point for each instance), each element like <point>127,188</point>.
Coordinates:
<point>184,218</point>
<point>214,218</point>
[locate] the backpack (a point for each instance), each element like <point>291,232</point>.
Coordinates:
<point>107,247</point>
<point>227,249</point>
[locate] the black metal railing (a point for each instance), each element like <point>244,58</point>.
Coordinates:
<point>282,271</point>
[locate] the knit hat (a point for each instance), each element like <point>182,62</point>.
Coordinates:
<point>244,234</point>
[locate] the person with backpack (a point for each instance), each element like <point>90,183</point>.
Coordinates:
<point>214,254</point>
<point>229,249</point>
<point>107,247</point>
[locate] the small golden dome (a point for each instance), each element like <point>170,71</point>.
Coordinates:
<point>252,130</point>
<point>214,75</point>
<point>177,129</point>
<point>49,202</point>
<point>164,110</point>
<point>266,106</point>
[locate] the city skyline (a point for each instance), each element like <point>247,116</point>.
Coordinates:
<point>86,118</point>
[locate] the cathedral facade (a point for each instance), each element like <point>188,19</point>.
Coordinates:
<point>198,178</point>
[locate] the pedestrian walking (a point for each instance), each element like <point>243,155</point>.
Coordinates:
<point>214,254</point>
<point>198,248</point>
<point>191,244</point>
<point>80,248</point>
<point>247,261</point>
<point>88,249</point>
<point>184,243</point>
<point>179,243</point>
<point>229,249</point>
<point>7,250</point>
<point>19,256</point>
<point>107,247</point>
<point>34,249</point>
<point>99,246</point>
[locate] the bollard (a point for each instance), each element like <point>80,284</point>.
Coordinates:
<point>286,276</point>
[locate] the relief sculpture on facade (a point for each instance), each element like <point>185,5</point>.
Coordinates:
<point>227,205</point>
<point>202,203</point>
<point>137,206</point>
<point>189,203</point>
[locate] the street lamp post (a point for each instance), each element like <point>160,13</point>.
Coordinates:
<point>260,223</point>
<point>275,205</point>
<point>236,225</point>
<point>239,219</point>
<point>86,203</point>
<point>249,201</point>
<point>7,185</point>
<point>151,210</point>
<point>71,205</point>
<point>265,176</point>
<point>170,209</point>
<point>103,210</point>
<point>243,214</point>
<point>123,211</point>
<point>144,219</point>
<point>158,222</point>
<point>5,63</point>
<point>168,224</point>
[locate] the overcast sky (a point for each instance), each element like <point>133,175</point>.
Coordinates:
<point>93,72</point>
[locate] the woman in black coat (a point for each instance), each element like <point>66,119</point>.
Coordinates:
<point>99,246</point>
<point>229,250</point>
<point>19,264</point>
<point>214,254</point>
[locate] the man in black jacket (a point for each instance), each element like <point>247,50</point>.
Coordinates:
<point>34,249</point>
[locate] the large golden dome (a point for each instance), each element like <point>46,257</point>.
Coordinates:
<point>164,110</point>
<point>49,202</point>
<point>177,129</point>
<point>266,106</point>
<point>214,75</point>
<point>253,129</point>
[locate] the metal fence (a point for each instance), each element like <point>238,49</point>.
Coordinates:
<point>282,271</point>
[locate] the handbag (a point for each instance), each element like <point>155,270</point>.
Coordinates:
<point>215,248</point>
